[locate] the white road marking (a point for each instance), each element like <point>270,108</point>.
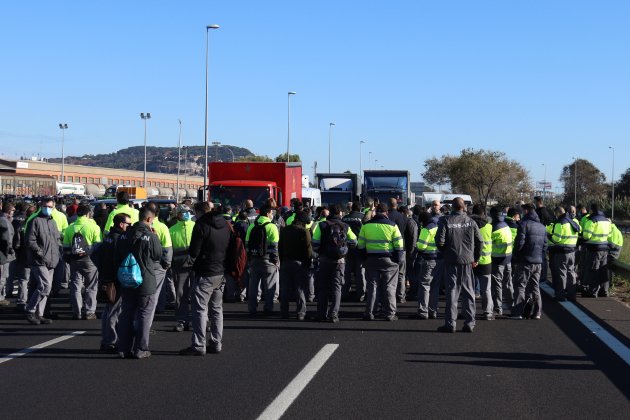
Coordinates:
<point>607,338</point>
<point>39,346</point>
<point>276,409</point>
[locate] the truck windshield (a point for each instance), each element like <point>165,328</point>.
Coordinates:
<point>236,195</point>
<point>336,197</point>
<point>392,183</point>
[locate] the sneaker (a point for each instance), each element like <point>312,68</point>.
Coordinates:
<point>192,351</point>
<point>301,317</point>
<point>143,354</point>
<point>43,320</point>
<point>368,317</point>
<point>488,317</point>
<point>213,349</point>
<point>536,317</point>
<point>432,315</point>
<point>391,318</point>
<point>179,327</point>
<point>90,317</point>
<point>468,328</point>
<point>4,302</point>
<point>334,319</point>
<point>516,317</point>
<point>108,348</point>
<point>32,318</point>
<point>445,329</point>
<point>477,295</point>
<point>362,298</point>
<point>125,355</point>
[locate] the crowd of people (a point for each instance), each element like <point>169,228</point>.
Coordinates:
<point>381,255</point>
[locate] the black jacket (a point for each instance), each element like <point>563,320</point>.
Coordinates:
<point>145,246</point>
<point>400,220</point>
<point>544,215</point>
<point>209,244</point>
<point>107,268</point>
<point>531,241</point>
<point>295,244</point>
<point>355,221</point>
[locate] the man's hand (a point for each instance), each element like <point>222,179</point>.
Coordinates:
<point>475,264</point>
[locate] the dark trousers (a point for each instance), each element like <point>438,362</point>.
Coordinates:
<point>134,323</point>
<point>328,282</point>
<point>182,280</point>
<point>293,284</point>
<point>527,283</point>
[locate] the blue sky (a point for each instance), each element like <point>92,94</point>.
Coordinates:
<point>542,81</point>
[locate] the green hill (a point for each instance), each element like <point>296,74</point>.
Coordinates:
<point>159,159</point>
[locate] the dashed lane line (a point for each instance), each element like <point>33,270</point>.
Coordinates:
<point>283,401</point>
<point>39,346</point>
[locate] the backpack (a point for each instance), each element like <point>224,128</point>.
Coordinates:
<point>236,259</point>
<point>129,274</point>
<point>78,245</point>
<point>257,244</point>
<point>335,242</point>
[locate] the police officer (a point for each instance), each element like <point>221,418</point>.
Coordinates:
<point>354,262</point>
<point>181,234</point>
<point>596,232</point>
<point>263,261</point>
<point>430,270</point>
<point>502,244</point>
<point>460,241</point>
<point>381,242</point>
<point>483,270</point>
<point>80,240</point>
<point>328,243</point>
<point>563,236</point>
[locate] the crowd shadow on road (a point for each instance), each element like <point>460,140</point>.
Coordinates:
<point>510,360</point>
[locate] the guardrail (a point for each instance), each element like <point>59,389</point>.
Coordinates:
<point>621,266</point>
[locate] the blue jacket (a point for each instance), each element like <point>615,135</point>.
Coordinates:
<point>531,241</point>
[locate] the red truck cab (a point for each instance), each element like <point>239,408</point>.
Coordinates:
<point>231,183</point>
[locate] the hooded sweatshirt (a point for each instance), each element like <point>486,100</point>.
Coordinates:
<point>209,244</point>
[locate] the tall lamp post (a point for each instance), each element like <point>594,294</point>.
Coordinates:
<point>330,126</point>
<point>612,213</point>
<point>145,117</point>
<point>544,182</point>
<point>361,160</point>
<point>216,145</point>
<point>179,158</point>
<point>575,181</point>
<point>370,160</point>
<point>205,131</point>
<point>63,127</point>
<point>289,94</point>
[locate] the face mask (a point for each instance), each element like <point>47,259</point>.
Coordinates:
<point>47,211</point>
<point>186,217</point>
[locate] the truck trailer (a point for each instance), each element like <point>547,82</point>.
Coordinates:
<point>338,188</point>
<point>231,183</point>
<point>384,184</point>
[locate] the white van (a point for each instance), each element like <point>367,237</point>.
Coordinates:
<point>311,197</point>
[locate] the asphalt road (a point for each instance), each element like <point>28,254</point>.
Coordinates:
<point>505,369</point>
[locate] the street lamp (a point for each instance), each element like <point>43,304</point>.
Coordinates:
<point>216,145</point>
<point>370,160</point>
<point>575,181</point>
<point>229,150</point>
<point>544,181</point>
<point>179,158</point>
<point>145,117</point>
<point>612,213</point>
<point>205,131</point>
<point>361,159</point>
<point>289,123</point>
<point>63,127</point>
<point>330,126</point>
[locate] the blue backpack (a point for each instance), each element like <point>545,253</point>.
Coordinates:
<point>129,274</point>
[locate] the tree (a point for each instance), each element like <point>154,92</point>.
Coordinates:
<point>254,158</point>
<point>591,182</point>
<point>622,187</point>
<point>283,158</point>
<point>480,173</point>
